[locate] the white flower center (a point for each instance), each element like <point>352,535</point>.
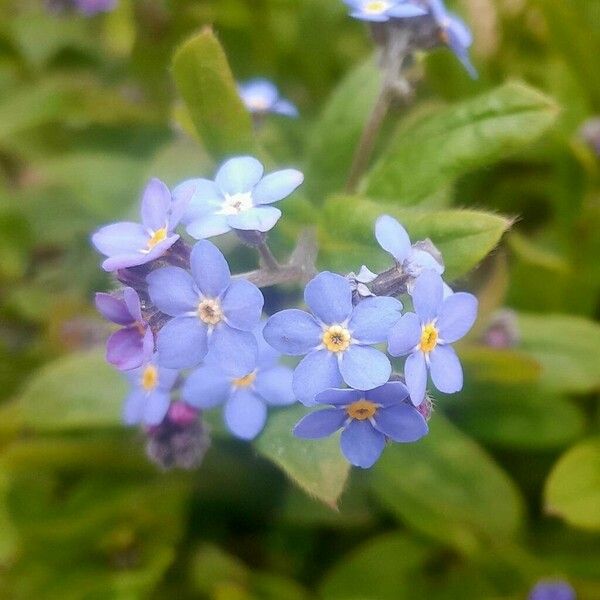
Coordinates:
<point>376,7</point>
<point>257,103</point>
<point>236,203</point>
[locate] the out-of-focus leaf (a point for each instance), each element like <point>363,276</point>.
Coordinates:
<point>206,84</point>
<point>316,466</point>
<point>573,487</point>
<point>446,486</point>
<point>477,132</point>
<point>15,243</point>
<point>8,533</point>
<point>499,365</point>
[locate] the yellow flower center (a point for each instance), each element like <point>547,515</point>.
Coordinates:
<point>150,378</point>
<point>336,338</point>
<point>245,381</point>
<point>209,311</point>
<point>158,236</point>
<point>376,7</point>
<point>429,338</point>
<point>361,410</point>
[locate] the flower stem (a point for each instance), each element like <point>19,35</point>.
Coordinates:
<point>266,256</point>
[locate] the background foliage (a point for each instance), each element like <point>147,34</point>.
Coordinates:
<point>506,488</point>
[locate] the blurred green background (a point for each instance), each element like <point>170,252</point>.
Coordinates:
<point>506,488</point>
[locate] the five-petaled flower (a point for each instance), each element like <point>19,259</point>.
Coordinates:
<point>337,340</point>
<point>150,398</point>
<point>245,398</point>
<point>132,244</point>
<point>210,312</point>
<point>261,97</point>
<point>367,418</point>
<point>238,198</point>
<point>383,10</point>
<point>127,347</point>
<point>427,334</point>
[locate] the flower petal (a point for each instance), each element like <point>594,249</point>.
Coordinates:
<point>209,269</point>
<point>113,309</point>
<point>134,259</point>
<point>392,237</point>
<point>274,385</point>
<point>120,238</point>
<point>133,408</point>
<point>132,301</point>
<point>415,374</point>
<point>316,372</point>
<point>446,370</point>
<point>236,351</point>
<point>242,305</point>
<point>124,349</point>
<point>393,392</point>
<point>204,197</point>
<point>206,387</point>
<point>405,10</point>
<point>329,296</point>
<point>361,444</point>
<point>293,332</point>
<point>261,218</point>
<point>364,367</point>
<point>156,407</point>
<point>457,316</point>
<point>427,295</point>
<point>286,108</point>
<point>245,414</point>
<point>156,203</point>
<point>401,423</point>
<point>319,424</point>
<point>405,335</point>
<point>208,225</point>
<point>172,291</point>
<point>239,175</point>
<point>267,355</point>
<point>339,397</point>
<point>182,343</point>
<point>373,318</point>
<point>277,186</point>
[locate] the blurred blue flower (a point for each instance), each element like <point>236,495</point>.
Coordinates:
<point>93,7</point>
<point>261,96</point>
<point>337,340</point>
<point>131,244</point>
<point>238,198</point>
<point>210,312</point>
<point>552,590</point>
<point>426,336</point>
<point>367,418</point>
<point>383,10</point>
<point>127,347</point>
<point>245,398</point>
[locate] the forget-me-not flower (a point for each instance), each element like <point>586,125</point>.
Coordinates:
<point>426,335</point>
<point>238,198</point>
<point>210,312</point>
<point>383,10</point>
<point>337,340</point>
<point>367,419</point>
<point>129,244</point>
<point>552,590</point>
<point>93,7</point>
<point>127,347</point>
<point>261,96</point>
<point>245,398</point>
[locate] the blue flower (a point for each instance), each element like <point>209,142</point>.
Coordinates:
<point>367,418</point>
<point>454,33</point>
<point>149,400</point>
<point>93,7</point>
<point>552,590</point>
<point>131,244</point>
<point>260,97</point>
<point>211,312</point>
<point>337,340</point>
<point>426,336</point>
<point>245,398</point>
<point>238,198</point>
<point>383,10</point>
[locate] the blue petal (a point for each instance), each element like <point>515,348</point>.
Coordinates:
<point>392,237</point>
<point>319,424</point>
<point>245,414</point>
<point>415,374</point>
<point>393,392</point>
<point>156,203</point>
<point>120,238</point>
<point>457,316</point>
<point>446,371</point>
<point>132,301</point>
<point>427,295</point>
<point>242,305</point>
<point>113,309</point>
<point>208,225</point>
<point>329,296</point>
<point>405,335</point>
<point>274,385</point>
<point>156,407</point>
<point>139,257</point>
<point>339,397</point>
<point>361,444</point>
<point>206,387</point>
<point>239,175</point>
<point>365,368</point>
<point>276,186</point>
<point>258,94</point>
<point>172,291</point>
<point>401,423</point>
<point>373,318</point>
<point>267,355</point>
<point>133,409</point>
<point>293,332</point>
<point>124,349</point>
<point>260,218</point>
<point>182,343</point>
<point>286,108</point>
<point>166,378</point>
<point>316,372</point>
<point>209,269</point>
<point>236,351</point>
<point>405,11</point>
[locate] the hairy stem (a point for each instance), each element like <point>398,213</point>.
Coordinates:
<point>266,256</point>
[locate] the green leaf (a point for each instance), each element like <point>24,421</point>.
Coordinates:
<point>499,365</point>
<point>347,238</point>
<point>434,151</point>
<point>205,82</point>
<point>567,347</point>
<point>573,487</point>
<point>447,487</point>
<point>316,466</point>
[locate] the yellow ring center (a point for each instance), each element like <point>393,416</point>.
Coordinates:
<point>209,311</point>
<point>429,338</point>
<point>336,338</point>
<point>361,410</point>
<point>149,378</point>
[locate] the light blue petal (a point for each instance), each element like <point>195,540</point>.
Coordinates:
<point>457,316</point>
<point>182,343</point>
<point>415,374</point>
<point>392,237</point>
<point>339,397</point>
<point>293,332</point>
<point>364,367</point>
<point>245,414</point>
<point>120,238</point>
<point>260,218</point>
<point>267,355</point>
<point>166,378</point>
<point>405,11</point>
<point>286,108</point>
<point>427,295</point>
<point>156,407</point>
<point>172,291</point>
<point>319,424</point>
<point>401,423</point>
<point>133,408</point>
<point>132,301</point>
<point>208,225</point>
<point>134,259</point>
<point>316,372</point>
<point>206,387</point>
<point>393,392</point>
<point>276,186</point>
<point>329,296</point>
<point>361,444</point>
<point>258,94</point>
<point>242,305</point>
<point>274,385</point>
<point>446,371</point>
<point>204,196</point>
<point>239,175</point>
<point>156,203</point>
<point>373,318</point>
<point>405,335</point>
<point>209,269</point>
<point>113,309</point>
<point>236,351</point>
<point>419,260</point>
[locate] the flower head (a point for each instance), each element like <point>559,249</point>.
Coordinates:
<point>245,398</point>
<point>127,347</point>
<point>337,340</point>
<point>93,7</point>
<point>383,10</point>
<point>260,97</point>
<point>427,334</point>
<point>552,590</point>
<point>238,198</point>
<point>367,419</point>
<point>210,312</point>
<point>131,244</point>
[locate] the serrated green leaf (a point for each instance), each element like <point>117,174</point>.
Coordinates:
<point>434,151</point>
<point>573,487</point>
<point>205,82</point>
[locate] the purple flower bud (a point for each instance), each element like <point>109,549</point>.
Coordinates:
<point>503,330</point>
<point>182,414</point>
